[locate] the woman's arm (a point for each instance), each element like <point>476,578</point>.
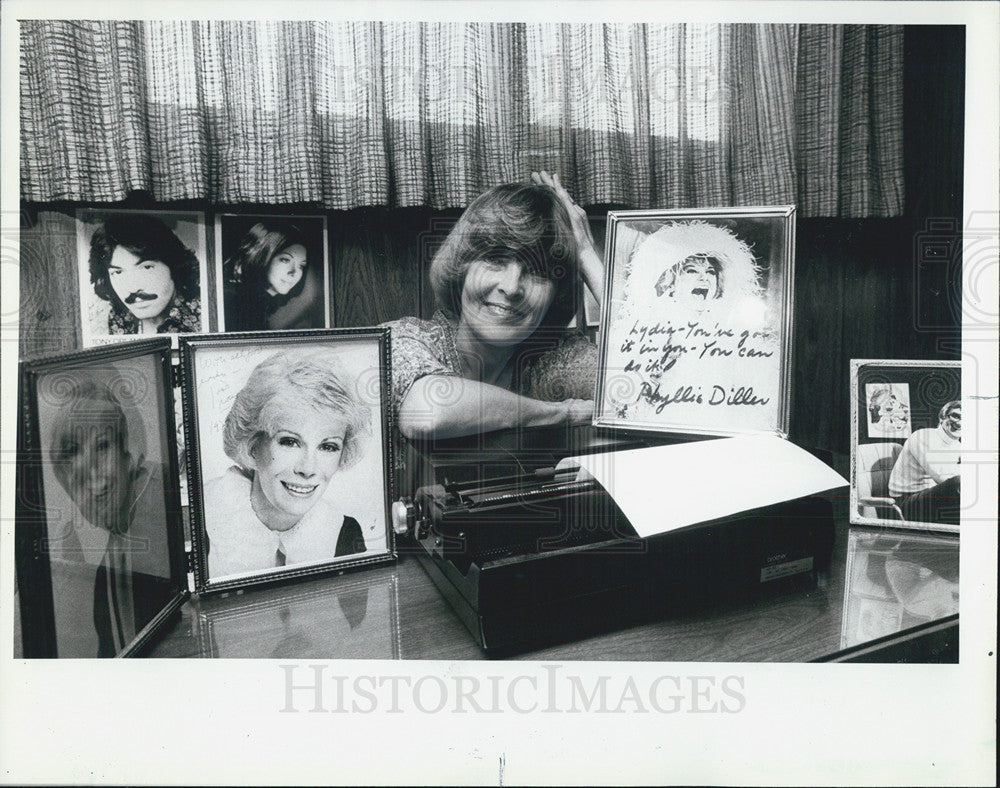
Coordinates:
<point>445,406</point>
<point>588,259</point>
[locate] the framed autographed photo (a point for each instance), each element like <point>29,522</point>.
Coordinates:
<point>274,272</point>
<point>906,443</point>
<point>289,454</point>
<point>99,533</point>
<point>696,321</point>
<point>142,273</point>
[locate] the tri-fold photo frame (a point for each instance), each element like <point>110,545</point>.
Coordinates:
<point>289,474</point>
<point>906,443</point>
<point>696,321</point>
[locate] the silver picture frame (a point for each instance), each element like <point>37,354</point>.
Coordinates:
<point>696,321</point>
<point>896,411</point>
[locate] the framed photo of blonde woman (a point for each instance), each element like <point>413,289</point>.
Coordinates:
<point>289,454</point>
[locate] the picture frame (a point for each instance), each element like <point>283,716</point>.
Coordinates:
<point>696,321</point>
<point>288,434</point>
<point>898,419</point>
<point>99,540</point>
<point>253,249</point>
<point>347,619</point>
<point>124,293</point>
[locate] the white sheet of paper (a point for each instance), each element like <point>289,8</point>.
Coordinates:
<point>664,488</point>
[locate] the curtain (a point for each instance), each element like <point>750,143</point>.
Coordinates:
<point>402,114</point>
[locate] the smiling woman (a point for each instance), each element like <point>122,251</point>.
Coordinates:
<point>496,354</point>
<point>268,270</point>
<point>290,429</point>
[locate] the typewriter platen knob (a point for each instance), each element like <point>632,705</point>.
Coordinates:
<point>403,516</point>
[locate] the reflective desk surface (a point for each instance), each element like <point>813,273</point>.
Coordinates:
<point>888,596</point>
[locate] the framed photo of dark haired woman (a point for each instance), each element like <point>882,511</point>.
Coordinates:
<point>696,322</point>
<point>99,532</point>
<point>906,443</point>
<point>274,272</point>
<point>142,273</point>
<point>289,454</point>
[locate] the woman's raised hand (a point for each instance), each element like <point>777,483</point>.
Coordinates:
<point>591,267</point>
<point>578,216</point>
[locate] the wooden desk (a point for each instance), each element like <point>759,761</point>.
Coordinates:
<point>888,596</point>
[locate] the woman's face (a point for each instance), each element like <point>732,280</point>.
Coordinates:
<point>696,281</point>
<point>94,470</point>
<point>286,269</point>
<point>503,302</point>
<point>294,465</point>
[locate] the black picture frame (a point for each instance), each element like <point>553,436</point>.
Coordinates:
<point>85,588</point>
<point>215,370</point>
<point>709,358</point>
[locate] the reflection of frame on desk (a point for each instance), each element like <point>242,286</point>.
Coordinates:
<point>241,628</point>
<point>895,581</point>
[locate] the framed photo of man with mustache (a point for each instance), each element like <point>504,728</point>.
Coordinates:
<point>141,273</point>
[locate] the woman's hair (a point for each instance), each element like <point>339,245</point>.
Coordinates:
<point>248,266</point>
<point>659,258</point>
<point>150,239</point>
<point>524,222</point>
<point>314,378</point>
<point>90,404</point>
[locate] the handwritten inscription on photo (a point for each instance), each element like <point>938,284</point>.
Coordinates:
<point>696,335</point>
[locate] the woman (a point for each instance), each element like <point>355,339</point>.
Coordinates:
<point>697,269</point>
<point>268,285</point>
<point>494,355</point>
<point>292,426</point>
<point>99,462</point>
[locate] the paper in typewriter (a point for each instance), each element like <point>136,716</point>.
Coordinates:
<point>664,488</point>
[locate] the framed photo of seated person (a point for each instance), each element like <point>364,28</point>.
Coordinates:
<point>99,540</point>
<point>274,272</point>
<point>142,273</point>
<point>696,321</point>
<point>289,454</point>
<point>906,443</point>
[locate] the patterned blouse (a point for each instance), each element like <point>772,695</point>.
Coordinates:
<point>182,317</point>
<point>427,347</point>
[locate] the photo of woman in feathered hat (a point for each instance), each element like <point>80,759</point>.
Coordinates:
<point>694,326</point>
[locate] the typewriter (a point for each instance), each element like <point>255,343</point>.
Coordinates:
<point>528,553</point>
